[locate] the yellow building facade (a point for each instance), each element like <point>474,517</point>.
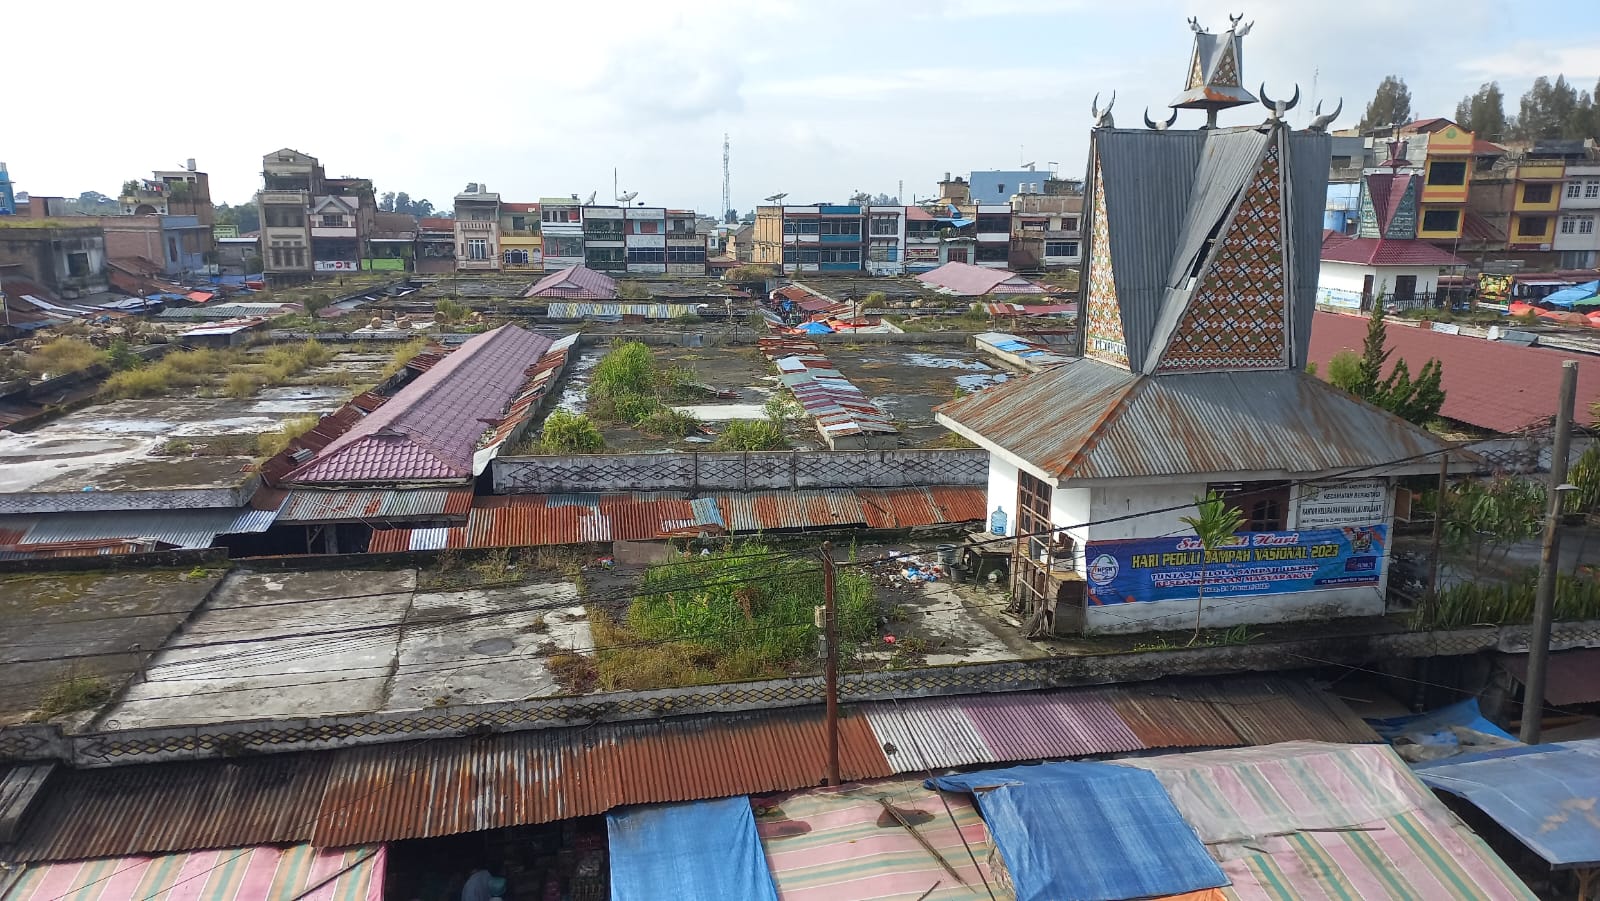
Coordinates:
<point>1447,178</point>
<point>1537,197</point>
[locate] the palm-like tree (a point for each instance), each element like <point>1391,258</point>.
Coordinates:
<point>1215,524</point>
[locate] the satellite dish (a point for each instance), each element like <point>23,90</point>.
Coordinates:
<point>624,198</point>
<point>590,201</point>
<point>776,198</point>
<point>1029,166</point>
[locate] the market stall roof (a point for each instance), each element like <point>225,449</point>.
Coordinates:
<point>843,842</point>
<point>1088,831</point>
<point>300,872</point>
<point>1566,297</point>
<point>1542,794</point>
<point>701,849</point>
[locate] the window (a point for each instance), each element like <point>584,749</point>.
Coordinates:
<point>840,227</point>
<point>799,226</point>
<point>994,223</point>
<point>277,215</point>
<point>77,265</point>
<point>519,223</point>
<point>1265,505</point>
<point>563,245</point>
<point>1405,287</point>
<point>515,257</point>
<point>647,255</point>
<point>332,220</point>
<point>646,227</point>
<point>172,250</point>
<point>686,254</point>
<point>1000,188</point>
<point>993,253</point>
<point>793,255</point>
<point>1532,226</point>
<point>1586,225</point>
<point>1061,248</point>
<point>1536,193</point>
<point>1447,173</point>
<point>1574,189</point>
<point>883,253</point>
<point>1577,225</point>
<point>1569,225</point>
<point>1069,225</point>
<point>1440,220</point>
<point>840,256</point>
<point>477,248</point>
<point>886,225</point>
<point>1591,189</point>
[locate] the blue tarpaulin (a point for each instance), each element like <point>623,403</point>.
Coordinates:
<point>1545,795</point>
<point>816,328</point>
<point>1463,714</point>
<point>702,849</point>
<point>1566,297</point>
<point>1088,832</point>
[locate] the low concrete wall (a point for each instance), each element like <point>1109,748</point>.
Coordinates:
<point>210,556</point>
<point>93,749</point>
<point>754,471</point>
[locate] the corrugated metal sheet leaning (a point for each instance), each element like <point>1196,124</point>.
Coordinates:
<point>617,310</point>
<point>311,505</point>
<point>177,528</point>
<point>541,377</point>
<point>528,520</point>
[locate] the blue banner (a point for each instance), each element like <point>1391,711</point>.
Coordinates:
<point>1164,569</point>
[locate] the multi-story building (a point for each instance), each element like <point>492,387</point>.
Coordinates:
<point>69,261</point>
<point>1536,199</point>
<point>169,221</point>
<point>1045,230</point>
<point>561,221</point>
<point>521,240</point>
<point>289,180</point>
<point>886,240</point>
<point>645,240</point>
<point>1445,152</point>
<point>1577,237</point>
<point>477,231</point>
<point>997,185</point>
<point>686,243</point>
<point>604,249</point>
<point>815,238</point>
<point>436,245</point>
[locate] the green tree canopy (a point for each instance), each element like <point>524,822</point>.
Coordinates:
<point>1391,105</point>
<point>1484,113</point>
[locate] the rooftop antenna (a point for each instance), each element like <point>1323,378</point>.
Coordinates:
<point>727,195</point>
<point>777,198</point>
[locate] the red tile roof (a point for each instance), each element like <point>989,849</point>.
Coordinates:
<point>1429,125</point>
<point>429,430</point>
<point>918,214</point>
<point>437,224</point>
<point>1493,385</point>
<point>1480,147</point>
<point>579,282</point>
<point>519,207</point>
<point>1337,248</point>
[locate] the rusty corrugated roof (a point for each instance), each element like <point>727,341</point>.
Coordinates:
<point>174,807</point>
<point>1087,420</point>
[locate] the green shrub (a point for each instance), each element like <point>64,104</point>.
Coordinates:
<point>628,368</point>
<point>632,291</point>
<point>122,358</point>
<point>71,694</point>
<point>751,435</point>
<point>666,422</point>
<point>570,433</point>
<point>447,310</point>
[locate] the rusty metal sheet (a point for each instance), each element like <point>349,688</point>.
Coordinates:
<point>1268,711</point>
<point>185,806</point>
<point>1163,715</point>
<point>1027,726</point>
<point>448,787</point>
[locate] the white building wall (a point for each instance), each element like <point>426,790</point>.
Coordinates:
<point>1340,284</point>
<point>1002,492</point>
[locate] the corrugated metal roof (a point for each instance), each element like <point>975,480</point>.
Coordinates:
<point>578,281</point>
<point>196,528</point>
<point>1089,420</point>
<point>548,519</point>
<point>359,504</point>
<point>1083,722</point>
<point>430,429</point>
<point>839,407</point>
<point>174,807</point>
<point>617,310</point>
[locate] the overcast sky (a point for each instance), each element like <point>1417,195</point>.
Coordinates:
<point>821,98</point>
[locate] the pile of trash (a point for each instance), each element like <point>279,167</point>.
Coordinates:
<point>896,569</point>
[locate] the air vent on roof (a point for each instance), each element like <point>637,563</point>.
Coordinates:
<point>301,455</point>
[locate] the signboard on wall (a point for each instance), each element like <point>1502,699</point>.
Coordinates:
<point>1167,569</point>
<point>337,265</point>
<point>1338,297</point>
<point>1330,505</point>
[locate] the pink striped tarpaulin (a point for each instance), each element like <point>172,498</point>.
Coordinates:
<point>261,873</point>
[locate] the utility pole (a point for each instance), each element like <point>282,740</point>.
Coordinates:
<point>1544,601</point>
<point>1438,531</point>
<point>830,641</point>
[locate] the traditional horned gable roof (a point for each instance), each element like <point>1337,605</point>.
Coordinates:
<point>1216,70</point>
<point>1202,267</point>
<point>1196,262</point>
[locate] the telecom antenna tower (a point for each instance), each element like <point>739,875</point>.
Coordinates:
<point>727,195</point>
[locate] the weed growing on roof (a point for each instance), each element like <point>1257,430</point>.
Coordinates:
<point>747,614</point>
<point>270,444</point>
<point>570,433</point>
<point>240,384</point>
<point>666,422</point>
<point>404,354</point>
<point>64,355</point>
<point>751,435</point>
<point>1484,602</point>
<point>72,693</point>
<point>628,386</point>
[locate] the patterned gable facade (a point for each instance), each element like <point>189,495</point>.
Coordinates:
<point>1237,316</point>
<point>1102,324</point>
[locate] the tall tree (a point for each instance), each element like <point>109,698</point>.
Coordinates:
<point>1415,400</point>
<point>421,208</point>
<point>1547,109</point>
<point>1373,353</point>
<point>386,203</point>
<point>1391,105</point>
<point>402,202</point>
<point>1484,113</point>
